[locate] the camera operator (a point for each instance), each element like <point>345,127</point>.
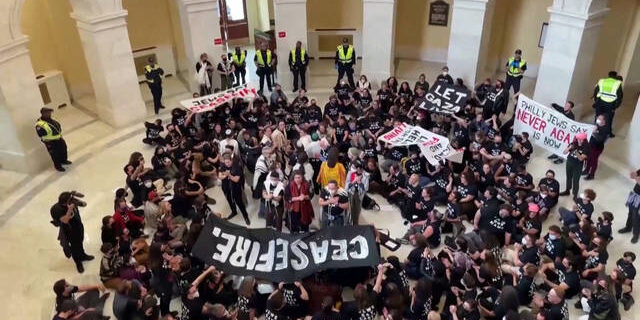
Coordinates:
<point>66,216</point>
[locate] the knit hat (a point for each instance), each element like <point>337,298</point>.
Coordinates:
<point>581,136</point>
<point>533,207</point>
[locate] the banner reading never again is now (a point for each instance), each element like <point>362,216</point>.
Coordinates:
<point>212,101</point>
<point>271,255</point>
<point>547,127</point>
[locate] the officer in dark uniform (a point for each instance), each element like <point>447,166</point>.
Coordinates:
<point>50,132</point>
<point>345,60</point>
<point>516,66</point>
<point>264,63</point>
<point>607,97</point>
<point>298,60</point>
<point>66,216</point>
<point>154,74</point>
<point>238,58</point>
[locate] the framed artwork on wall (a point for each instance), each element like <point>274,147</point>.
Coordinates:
<point>439,13</point>
<point>543,34</point>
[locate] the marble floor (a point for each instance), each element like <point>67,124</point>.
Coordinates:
<point>31,258</point>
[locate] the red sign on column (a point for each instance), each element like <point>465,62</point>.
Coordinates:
<point>217,41</point>
<point>282,34</point>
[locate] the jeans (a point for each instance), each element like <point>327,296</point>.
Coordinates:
<point>568,217</point>
<point>337,220</point>
<point>574,170</point>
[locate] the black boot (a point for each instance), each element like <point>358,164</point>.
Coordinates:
<point>80,267</point>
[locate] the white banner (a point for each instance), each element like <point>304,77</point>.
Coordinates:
<point>212,101</point>
<point>547,127</point>
<point>433,147</point>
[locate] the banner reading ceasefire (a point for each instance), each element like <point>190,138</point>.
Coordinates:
<point>212,101</point>
<point>547,127</point>
<point>271,255</point>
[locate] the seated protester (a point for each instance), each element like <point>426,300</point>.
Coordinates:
<point>296,298</point>
<point>582,209</point>
<point>217,311</point>
<point>598,300</point>
<point>108,233</point>
<point>507,191</point>
<point>428,228</point>
<point>385,97</point>
<point>552,185</point>
<point>393,155</point>
<point>421,301</point>
<point>603,227</point>
<point>485,177</point>
<point>488,207</point>
<point>213,289</point>
<point>364,306</point>
<point>412,208</point>
<point>580,236</point>
<point>334,202</point>
<point>395,186</point>
<point>521,278</point>
<point>552,245</point>
<point>489,273</point>
<point>468,192</point>
<point>530,223</point>
<point>452,220</point>
<point>70,309</point>
<point>135,172</point>
<point>596,256</point>
<point>522,148</point>
<point>89,297</point>
<point>524,180</point>
<point>343,91</point>
<point>124,217</point>
<point>110,266</point>
<point>415,164</point>
<point>625,267</point>
<point>414,258</point>
<point>164,164</point>
<point>526,252</point>
<point>506,168</point>
<point>554,303</point>
<point>328,310</point>
<point>376,184</point>
<point>561,275</point>
<point>173,138</point>
<point>313,115</point>
<point>152,134</point>
<point>332,110</point>
<point>370,150</point>
<point>443,178</point>
<point>247,303</point>
<point>543,200</point>
<point>179,118</point>
<point>468,311</point>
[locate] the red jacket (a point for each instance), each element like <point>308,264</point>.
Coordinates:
<point>121,219</point>
<point>304,207</point>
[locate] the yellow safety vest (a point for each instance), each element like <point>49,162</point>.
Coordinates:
<point>514,71</point>
<point>293,55</point>
<point>47,127</point>
<point>148,69</point>
<point>261,61</point>
<point>236,61</point>
<point>342,57</point>
<point>608,89</point>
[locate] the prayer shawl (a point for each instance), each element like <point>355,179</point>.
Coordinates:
<point>262,167</point>
<point>304,207</point>
<point>277,191</point>
<point>202,76</point>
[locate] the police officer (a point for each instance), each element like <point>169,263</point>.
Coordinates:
<point>238,58</point>
<point>607,97</point>
<point>66,216</point>
<point>154,74</point>
<point>298,60</point>
<point>50,132</point>
<point>263,61</point>
<point>345,60</point>
<point>516,67</point>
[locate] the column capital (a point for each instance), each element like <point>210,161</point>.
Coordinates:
<point>100,23</point>
<point>471,4</point>
<point>379,1</point>
<point>14,49</point>
<point>277,2</point>
<point>95,8</point>
<point>200,5</point>
<point>577,20</point>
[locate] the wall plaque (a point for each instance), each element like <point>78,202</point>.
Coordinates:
<point>439,13</point>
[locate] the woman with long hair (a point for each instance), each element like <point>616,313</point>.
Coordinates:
<point>297,197</point>
<point>332,169</point>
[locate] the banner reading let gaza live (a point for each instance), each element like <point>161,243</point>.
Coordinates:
<point>445,98</point>
<point>271,255</point>
<point>212,101</point>
<point>433,147</point>
<point>547,127</point>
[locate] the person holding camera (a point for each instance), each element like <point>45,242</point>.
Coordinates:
<point>66,216</point>
<point>577,153</point>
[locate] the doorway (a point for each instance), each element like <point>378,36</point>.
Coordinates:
<point>233,19</point>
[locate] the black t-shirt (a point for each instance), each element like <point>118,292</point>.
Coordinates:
<point>332,110</point>
<point>558,311</point>
<point>578,150</point>
<point>594,261</point>
<point>523,180</point>
<point>453,210</point>
<point>529,255</point>
<point>414,166</point>
<point>470,189</point>
<point>396,153</point>
<point>332,209</point>
<point>313,113</point>
<point>553,248</point>
<point>627,269</point>
<point>153,130</point>
<point>552,184</point>
<point>525,288</point>
<point>584,207</point>
<point>571,278</point>
<point>398,180</point>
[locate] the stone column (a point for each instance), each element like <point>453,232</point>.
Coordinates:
<point>106,45</point>
<point>20,103</point>
<point>291,18</point>
<point>378,33</point>
<point>469,38</point>
<point>200,26</point>
<point>568,53</point>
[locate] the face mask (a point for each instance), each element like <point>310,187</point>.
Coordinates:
<point>583,196</point>
<point>600,122</point>
<point>444,73</point>
<point>524,241</point>
<point>552,237</point>
<point>542,195</point>
<point>148,184</point>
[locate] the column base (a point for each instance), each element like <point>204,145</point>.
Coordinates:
<point>33,161</point>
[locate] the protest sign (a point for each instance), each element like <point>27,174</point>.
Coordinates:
<point>212,101</point>
<point>445,98</point>
<point>274,256</point>
<point>547,127</point>
<point>433,147</point>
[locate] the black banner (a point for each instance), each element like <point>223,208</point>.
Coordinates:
<point>445,98</point>
<point>271,255</point>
